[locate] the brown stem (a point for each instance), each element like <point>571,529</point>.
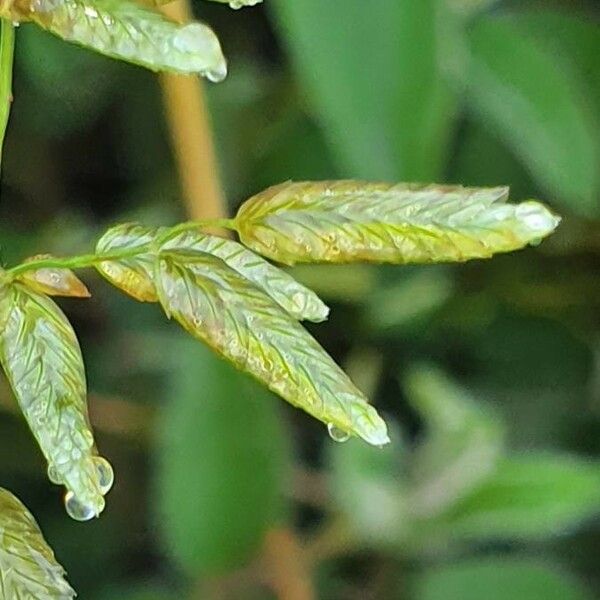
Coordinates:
<point>191,134</point>
<point>288,574</point>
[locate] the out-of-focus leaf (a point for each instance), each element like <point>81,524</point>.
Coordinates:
<point>222,466</point>
<point>408,301</point>
<point>293,297</point>
<point>134,274</point>
<point>127,31</point>
<point>570,35</point>
<point>497,578</point>
<point>28,568</point>
<point>217,305</point>
<point>347,221</point>
<point>535,103</point>
<point>461,444</point>
<point>343,283</point>
<point>529,496</point>
<point>41,358</point>
<point>54,282</point>
<point>369,489</point>
<point>373,72</point>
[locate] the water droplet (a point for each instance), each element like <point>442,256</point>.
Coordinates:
<point>217,74</point>
<point>78,510</point>
<point>235,4</point>
<point>106,476</point>
<point>337,434</point>
<point>53,475</point>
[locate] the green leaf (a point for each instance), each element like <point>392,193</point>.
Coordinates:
<point>373,72</point>
<point>345,221</point>
<point>535,101</point>
<point>407,301</point>
<point>40,355</point>
<point>293,297</point>
<point>222,464</point>
<point>362,478</point>
<point>132,274</point>
<point>461,444</point>
<point>572,36</point>
<point>529,496</point>
<point>217,305</point>
<point>53,281</point>
<point>28,568</point>
<point>125,30</point>
<point>498,578</point>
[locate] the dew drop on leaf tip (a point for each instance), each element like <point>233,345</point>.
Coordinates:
<point>337,434</point>
<point>106,476</point>
<point>79,511</point>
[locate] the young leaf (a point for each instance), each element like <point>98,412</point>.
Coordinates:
<point>53,281</point>
<point>28,568</point>
<point>293,297</point>
<point>42,361</point>
<point>219,306</point>
<point>125,30</point>
<point>133,274</point>
<point>347,221</point>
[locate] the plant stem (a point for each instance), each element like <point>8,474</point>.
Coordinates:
<point>191,133</point>
<point>7,51</point>
<point>90,260</point>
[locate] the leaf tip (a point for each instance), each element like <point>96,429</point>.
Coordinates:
<point>537,220</point>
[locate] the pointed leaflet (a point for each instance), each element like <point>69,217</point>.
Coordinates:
<point>292,296</point>
<point>217,305</point>
<point>53,281</point>
<point>125,30</point>
<point>345,221</point>
<point>134,273</point>
<point>28,568</point>
<point>42,361</point>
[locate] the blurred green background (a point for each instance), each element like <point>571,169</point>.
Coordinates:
<point>489,372</point>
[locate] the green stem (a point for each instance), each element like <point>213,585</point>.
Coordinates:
<point>7,51</point>
<point>91,260</point>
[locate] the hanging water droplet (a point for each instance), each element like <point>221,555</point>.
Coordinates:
<point>235,4</point>
<point>337,434</point>
<point>53,475</point>
<point>106,476</point>
<point>78,510</point>
<point>217,74</point>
